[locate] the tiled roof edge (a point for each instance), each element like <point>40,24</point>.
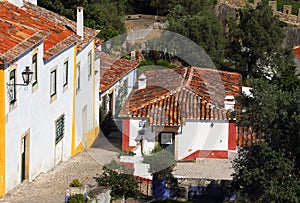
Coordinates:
<point>20,48</point>
<point>49,54</point>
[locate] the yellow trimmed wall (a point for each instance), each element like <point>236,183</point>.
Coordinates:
<point>2,130</point>
<point>92,135</point>
<point>73,148</point>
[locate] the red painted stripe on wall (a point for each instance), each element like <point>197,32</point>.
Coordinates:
<point>232,135</point>
<point>126,135</point>
<point>217,154</point>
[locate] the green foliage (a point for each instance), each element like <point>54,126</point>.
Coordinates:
<point>265,175</point>
<point>295,5</point>
<point>101,15</point>
<point>105,118</point>
<point>77,198</point>
<point>119,179</point>
<point>269,171</point>
<point>245,50</point>
<point>125,153</point>
<point>202,27</point>
<point>165,63</point>
<point>161,163</point>
<point>121,96</point>
<point>76,183</point>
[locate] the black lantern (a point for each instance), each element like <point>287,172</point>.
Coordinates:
<point>27,75</point>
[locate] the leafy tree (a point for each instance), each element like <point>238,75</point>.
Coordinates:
<point>202,27</point>
<point>265,175</point>
<point>255,41</point>
<point>119,179</point>
<point>269,171</point>
<point>161,164</point>
<point>102,15</point>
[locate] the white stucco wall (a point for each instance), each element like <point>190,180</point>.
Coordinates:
<point>133,132</point>
<point>195,136</point>
<point>85,98</point>
<point>36,114</point>
<point>201,136</point>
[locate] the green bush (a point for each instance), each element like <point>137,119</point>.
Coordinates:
<point>76,183</point>
<point>77,198</point>
<point>124,153</point>
<point>118,178</point>
<point>165,63</point>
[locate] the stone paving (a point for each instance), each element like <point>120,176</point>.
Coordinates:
<point>51,187</point>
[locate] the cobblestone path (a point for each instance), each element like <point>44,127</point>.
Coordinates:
<point>51,187</point>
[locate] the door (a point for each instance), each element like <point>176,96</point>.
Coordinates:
<point>84,127</point>
<point>24,157</point>
<point>111,103</point>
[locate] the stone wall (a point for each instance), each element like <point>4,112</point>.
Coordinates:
<point>284,15</point>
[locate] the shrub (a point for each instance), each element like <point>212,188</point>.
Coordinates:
<point>76,183</point>
<point>121,184</point>
<point>77,198</point>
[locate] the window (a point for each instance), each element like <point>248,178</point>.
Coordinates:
<point>60,129</point>
<point>65,73</point>
<point>53,83</point>
<point>12,87</point>
<point>77,77</point>
<point>89,64</point>
<point>166,138</point>
<point>34,69</point>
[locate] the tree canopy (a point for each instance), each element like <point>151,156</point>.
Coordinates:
<point>199,24</point>
<point>269,171</point>
<point>255,41</point>
<point>101,15</point>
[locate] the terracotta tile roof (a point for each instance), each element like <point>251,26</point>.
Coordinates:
<point>22,28</point>
<point>297,51</point>
<point>98,41</point>
<point>174,95</point>
<point>113,69</point>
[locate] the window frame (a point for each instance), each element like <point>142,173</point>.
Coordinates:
<point>90,64</point>
<point>13,86</point>
<point>59,135</point>
<point>78,77</point>
<point>53,92</point>
<point>34,68</point>
<point>65,73</point>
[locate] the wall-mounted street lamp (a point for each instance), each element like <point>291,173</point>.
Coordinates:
<point>27,77</point>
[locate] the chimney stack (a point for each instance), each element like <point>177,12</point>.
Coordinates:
<point>18,3</point>
<point>142,82</point>
<point>80,22</point>
<point>229,102</point>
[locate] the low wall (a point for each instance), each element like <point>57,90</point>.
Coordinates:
<point>101,195</point>
<point>142,16</point>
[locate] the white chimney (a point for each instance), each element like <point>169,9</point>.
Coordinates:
<point>80,21</point>
<point>18,3</point>
<point>142,82</point>
<point>229,102</point>
<point>34,2</point>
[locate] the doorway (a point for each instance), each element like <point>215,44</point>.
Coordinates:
<point>84,127</point>
<point>25,157</point>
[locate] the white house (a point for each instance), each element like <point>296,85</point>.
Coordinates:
<point>55,116</point>
<point>117,79</point>
<point>186,110</point>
